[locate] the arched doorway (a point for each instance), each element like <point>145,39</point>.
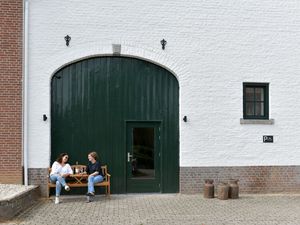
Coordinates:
<point>127,110</point>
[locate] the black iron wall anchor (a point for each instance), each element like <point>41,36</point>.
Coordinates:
<point>67,39</point>
<point>163,44</point>
<point>44,117</point>
<point>185,119</point>
<point>57,76</point>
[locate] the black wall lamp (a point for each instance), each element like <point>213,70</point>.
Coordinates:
<point>163,44</point>
<point>67,39</point>
<point>45,117</point>
<point>184,119</point>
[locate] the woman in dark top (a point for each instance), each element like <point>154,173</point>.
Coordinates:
<point>95,172</point>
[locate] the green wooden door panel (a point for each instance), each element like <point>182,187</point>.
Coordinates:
<point>92,99</point>
<point>143,156</point>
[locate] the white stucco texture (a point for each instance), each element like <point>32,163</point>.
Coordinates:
<point>212,48</point>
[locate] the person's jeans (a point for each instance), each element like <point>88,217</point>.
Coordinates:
<point>93,180</point>
<point>60,181</point>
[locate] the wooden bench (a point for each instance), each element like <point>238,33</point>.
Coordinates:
<point>83,182</point>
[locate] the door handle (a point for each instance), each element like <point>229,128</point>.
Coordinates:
<point>129,157</point>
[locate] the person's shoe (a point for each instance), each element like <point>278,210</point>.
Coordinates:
<point>88,199</point>
<point>67,188</point>
<point>56,200</point>
<point>90,194</point>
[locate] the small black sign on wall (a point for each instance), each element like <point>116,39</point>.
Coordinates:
<point>268,139</point>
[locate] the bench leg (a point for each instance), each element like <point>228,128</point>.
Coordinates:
<point>108,190</point>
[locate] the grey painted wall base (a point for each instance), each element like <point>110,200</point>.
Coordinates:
<point>39,176</point>
<point>252,179</point>
<point>11,207</point>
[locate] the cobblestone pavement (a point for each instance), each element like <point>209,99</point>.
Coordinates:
<point>142,209</point>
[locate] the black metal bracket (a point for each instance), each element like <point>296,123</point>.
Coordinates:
<point>57,76</point>
<point>163,44</point>
<point>184,119</point>
<point>67,39</point>
<point>45,117</point>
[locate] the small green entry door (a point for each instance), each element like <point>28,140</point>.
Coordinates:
<point>143,157</point>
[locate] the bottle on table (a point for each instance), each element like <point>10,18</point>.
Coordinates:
<point>76,168</point>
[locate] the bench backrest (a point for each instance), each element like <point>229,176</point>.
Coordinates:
<point>80,168</point>
<point>83,168</point>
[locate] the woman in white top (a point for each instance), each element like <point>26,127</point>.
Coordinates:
<point>59,171</point>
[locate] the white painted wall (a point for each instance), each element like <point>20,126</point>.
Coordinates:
<point>213,47</point>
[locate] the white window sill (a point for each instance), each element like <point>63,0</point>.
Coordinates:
<point>264,122</point>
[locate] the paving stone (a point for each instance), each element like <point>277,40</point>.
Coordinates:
<point>150,209</point>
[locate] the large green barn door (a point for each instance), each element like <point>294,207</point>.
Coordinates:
<point>94,100</point>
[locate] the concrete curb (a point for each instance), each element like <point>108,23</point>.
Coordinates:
<point>15,205</point>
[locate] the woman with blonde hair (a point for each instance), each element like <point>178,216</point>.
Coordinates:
<point>95,172</point>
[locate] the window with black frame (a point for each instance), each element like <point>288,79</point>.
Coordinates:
<point>256,100</point>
